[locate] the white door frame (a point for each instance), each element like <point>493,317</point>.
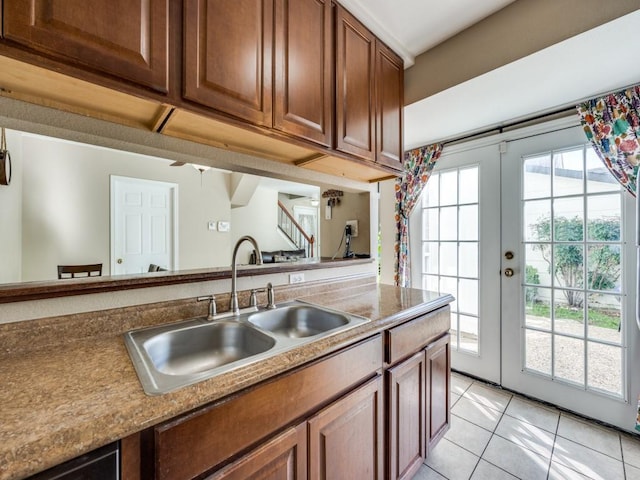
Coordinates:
<point>115,180</point>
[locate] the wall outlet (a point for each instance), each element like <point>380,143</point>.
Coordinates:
<point>224,226</point>
<point>212,226</point>
<point>354,227</point>
<point>296,277</point>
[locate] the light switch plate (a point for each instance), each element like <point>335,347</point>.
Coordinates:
<point>224,226</point>
<point>296,277</point>
<point>212,226</point>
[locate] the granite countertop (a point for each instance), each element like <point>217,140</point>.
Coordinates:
<point>64,400</point>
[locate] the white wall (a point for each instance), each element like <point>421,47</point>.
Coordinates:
<point>387,231</point>
<point>11,215</point>
<point>66,206</point>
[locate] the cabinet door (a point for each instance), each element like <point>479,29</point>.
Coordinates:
<point>282,458</point>
<point>125,38</point>
<point>227,56</point>
<point>355,50</point>
<point>345,439</point>
<point>389,107</point>
<point>407,412</point>
<point>438,378</point>
<point>304,69</point>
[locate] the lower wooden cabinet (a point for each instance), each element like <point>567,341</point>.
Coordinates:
<point>438,376</point>
<point>281,458</point>
<point>345,439</point>
<point>407,416</point>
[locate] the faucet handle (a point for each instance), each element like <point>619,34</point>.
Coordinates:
<point>271,297</point>
<point>212,305</point>
<point>253,299</point>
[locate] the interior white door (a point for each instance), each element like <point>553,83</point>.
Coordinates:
<point>307,218</point>
<point>143,225</point>
<point>456,249</point>
<point>567,296</point>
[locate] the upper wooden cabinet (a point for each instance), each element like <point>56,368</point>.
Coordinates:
<point>228,57</point>
<point>124,38</point>
<point>389,107</point>
<point>304,69</point>
<point>355,100</point>
<point>369,94</point>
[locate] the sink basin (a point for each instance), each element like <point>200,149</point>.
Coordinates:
<point>197,349</point>
<point>298,321</point>
<point>171,356</point>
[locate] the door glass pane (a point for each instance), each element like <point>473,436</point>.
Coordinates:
<point>605,367</point>
<point>604,316</point>
<point>537,220</point>
<point>538,308</point>
<point>537,348</point>
<point>450,249</point>
<point>468,263</point>
<point>537,177</point>
<point>568,359</point>
<point>578,254</point>
<point>568,172</point>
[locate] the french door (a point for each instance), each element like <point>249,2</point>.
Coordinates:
<point>534,238</point>
<point>568,286</point>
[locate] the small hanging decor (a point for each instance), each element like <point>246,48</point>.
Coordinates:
<point>333,196</point>
<point>5,160</point>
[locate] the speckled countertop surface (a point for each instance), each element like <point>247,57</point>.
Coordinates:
<point>67,397</point>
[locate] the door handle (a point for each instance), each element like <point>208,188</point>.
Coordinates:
<point>508,272</point>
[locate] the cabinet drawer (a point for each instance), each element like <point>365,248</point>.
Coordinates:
<point>408,338</point>
<point>195,443</point>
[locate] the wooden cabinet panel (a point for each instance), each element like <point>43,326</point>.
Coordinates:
<point>304,69</point>
<point>195,443</point>
<point>438,379</point>
<point>125,38</point>
<point>355,99</point>
<point>411,336</point>
<point>228,57</point>
<point>345,439</point>
<point>406,410</point>
<point>389,107</point>
<point>281,458</point>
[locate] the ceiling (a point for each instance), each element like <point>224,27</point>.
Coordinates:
<point>583,66</point>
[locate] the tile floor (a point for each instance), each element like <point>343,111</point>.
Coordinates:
<point>495,435</point>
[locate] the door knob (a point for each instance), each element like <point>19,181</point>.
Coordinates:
<point>508,272</point>
<point>119,261</point>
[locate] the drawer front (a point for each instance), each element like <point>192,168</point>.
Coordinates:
<point>196,443</point>
<point>408,338</point>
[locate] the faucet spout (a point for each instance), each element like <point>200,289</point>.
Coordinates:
<point>234,292</point>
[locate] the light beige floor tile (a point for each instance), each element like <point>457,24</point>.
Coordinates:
<point>557,471</point>
<point>526,435</point>
<point>590,435</point>
<point>477,413</point>
<point>533,413</point>
<point>491,397</point>
<point>468,435</point>
<point>486,471</point>
<point>459,383</point>
<point>452,461</point>
<point>454,398</point>
<point>584,460</point>
<point>633,473</point>
<point>518,461</point>
<point>631,450</point>
<point>425,473</point>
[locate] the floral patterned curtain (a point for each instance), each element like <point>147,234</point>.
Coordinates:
<point>418,165</point>
<point>612,124</point>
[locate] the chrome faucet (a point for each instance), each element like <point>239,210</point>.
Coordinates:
<point>233,307</point>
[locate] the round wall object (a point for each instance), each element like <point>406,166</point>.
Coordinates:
<point>5,167</point>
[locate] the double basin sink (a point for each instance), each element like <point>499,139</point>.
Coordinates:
<point>168,357</point>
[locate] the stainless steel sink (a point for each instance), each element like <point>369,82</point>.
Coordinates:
<point>298,321</point>
<point>204,347</point>
<point>168,357</point>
